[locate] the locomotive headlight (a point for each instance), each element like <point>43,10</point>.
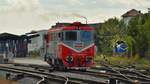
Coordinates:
<point>69,59</point>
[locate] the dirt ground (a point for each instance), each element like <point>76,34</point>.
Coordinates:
<point>7,82</point>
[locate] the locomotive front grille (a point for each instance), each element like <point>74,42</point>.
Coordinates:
<point>78,45</point>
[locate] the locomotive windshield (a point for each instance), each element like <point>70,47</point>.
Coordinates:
<point>86,35</point>
<point>78,35</point>
<point>71,36</point>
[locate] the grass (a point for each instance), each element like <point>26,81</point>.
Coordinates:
<point>135,61</point>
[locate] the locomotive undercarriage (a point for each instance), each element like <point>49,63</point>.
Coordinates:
<point>57,64</point>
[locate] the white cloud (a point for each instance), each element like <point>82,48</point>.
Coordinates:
<point>20,5</point>
<point>20,16</point>
<point>131,3</point>
<point>75,2</point>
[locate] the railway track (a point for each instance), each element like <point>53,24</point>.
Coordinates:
<point>122,75</point>
<point>131,75</point>
<point>43,79</point>
<point>46,78</point>
<point>69,77</point>
<point>107,76</point>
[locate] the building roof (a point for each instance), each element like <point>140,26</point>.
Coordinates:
<point>36,31</point>
<point>131,13</point>
<point>4,36</point>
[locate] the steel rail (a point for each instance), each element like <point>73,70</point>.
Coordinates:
<point>40,81</point>
<point>86,81</point>
<point>35,74</point>
<point>121,74</point>
<point>127,68</point>
<point>104,75</point>
<point>134,72</point>
<point>118,72</point>
<point>68,80</point>
<point>125,72</point>
<point>29,73</point>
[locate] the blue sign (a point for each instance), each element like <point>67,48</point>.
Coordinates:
<point>120,48</point>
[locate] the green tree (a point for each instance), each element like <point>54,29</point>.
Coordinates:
<point>136,35</point>
<point>108,33</point>
<point>139,29</point>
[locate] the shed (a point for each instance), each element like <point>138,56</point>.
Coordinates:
<point>12,45</point>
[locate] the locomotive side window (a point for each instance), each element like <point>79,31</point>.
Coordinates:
<point>71,36</point>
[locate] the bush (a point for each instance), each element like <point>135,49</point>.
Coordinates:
<point>121,61</point>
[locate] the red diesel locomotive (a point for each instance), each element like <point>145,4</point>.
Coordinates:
<point>70,46</point>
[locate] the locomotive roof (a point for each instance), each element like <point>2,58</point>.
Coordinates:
<point>71,26</point>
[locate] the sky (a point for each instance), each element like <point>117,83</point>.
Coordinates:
<point>22,16</point>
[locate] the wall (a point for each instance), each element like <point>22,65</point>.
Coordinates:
<point>37,43</point>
